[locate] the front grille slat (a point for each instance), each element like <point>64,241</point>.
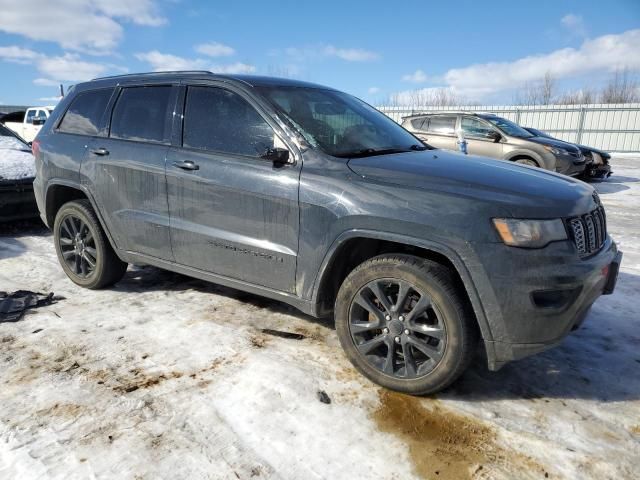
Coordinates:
<point>588,232</point>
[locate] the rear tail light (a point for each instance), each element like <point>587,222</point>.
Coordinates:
<point>35,148</point>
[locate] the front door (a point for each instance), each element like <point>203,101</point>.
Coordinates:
<point>232,213</point>
<point>477,134</point>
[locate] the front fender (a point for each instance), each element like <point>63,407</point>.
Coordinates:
<point>458,259</point>
<point>543,161</point>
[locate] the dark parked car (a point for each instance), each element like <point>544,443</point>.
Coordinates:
<point>597,161</point>
<point>307,195</point>
<point>492,136</point>
<point>17,171</point>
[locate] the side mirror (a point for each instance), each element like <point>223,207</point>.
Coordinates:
<point>495,136</point>
<point>39,120</point>
<point>279,156</point>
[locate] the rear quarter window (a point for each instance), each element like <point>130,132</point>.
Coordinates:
<point>142,114</point>
<point>85,112</point>
<point>441,124</point>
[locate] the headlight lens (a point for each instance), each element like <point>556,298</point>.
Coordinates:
<point>529,233</point>
<point>556,150</point>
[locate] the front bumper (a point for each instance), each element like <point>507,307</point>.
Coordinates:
<point>533,298</point>
<point>569,165</point>
<point>593,171</point>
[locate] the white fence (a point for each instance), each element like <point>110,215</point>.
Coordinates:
<point>613,128</point>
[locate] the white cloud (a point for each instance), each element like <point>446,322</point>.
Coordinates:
<point>215,49</point>
<point>17,54</point>
<point>608,53</point>
<point>165,61</point>
<point>350,54</point>
<point>323,51</point>
<point>45,82</point>
<point>49,99</point>
<point>373,90</point>
<point>83,25</point>
<point>574,23</point>
<point>416,77</point>
<point>232,68</point>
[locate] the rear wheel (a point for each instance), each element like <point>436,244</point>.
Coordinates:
<point>404,324</point>
<point>83,249</point>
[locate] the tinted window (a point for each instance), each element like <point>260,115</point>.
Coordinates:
<point>419,123</point>
<point>142,114</point>
<point>509,127</point>
<point>474,127</point>
<point>84,114</point>
<point>441,124</point>
<point>219,120</point>
<point>30,116</point>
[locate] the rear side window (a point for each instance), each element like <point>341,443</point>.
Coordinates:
<point>441,124</point>
<point>220,120</point>
<point>142,114</point>
<point>419,123</point>
<point>85,112</point>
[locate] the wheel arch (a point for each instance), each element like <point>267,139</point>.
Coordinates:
<point>60,192</point>
<point>356,246</point>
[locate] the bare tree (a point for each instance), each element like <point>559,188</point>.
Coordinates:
<point>577,97</point>
<point>432,97</point>
<point>537,93</point>
<point>622,88</point>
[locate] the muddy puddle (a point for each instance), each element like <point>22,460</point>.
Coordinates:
<point>443,444</point>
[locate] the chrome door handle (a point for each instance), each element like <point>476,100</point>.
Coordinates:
<point>187,165</point>
<point>100,151</point>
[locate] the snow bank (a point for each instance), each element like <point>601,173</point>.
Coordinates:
<point>16,161</point>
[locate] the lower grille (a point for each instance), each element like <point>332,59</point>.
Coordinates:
<point>588,232</point>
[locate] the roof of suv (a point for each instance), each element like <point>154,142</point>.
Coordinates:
<point>252,80</point>
<point>450,112</point>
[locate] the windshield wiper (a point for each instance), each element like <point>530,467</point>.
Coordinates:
<point>370,152</point>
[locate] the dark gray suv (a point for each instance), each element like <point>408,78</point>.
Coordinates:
<point>307,195</point>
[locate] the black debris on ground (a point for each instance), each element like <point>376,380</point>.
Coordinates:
<point>280,333</point>
<point>14,305</point>
<point>323,397</point>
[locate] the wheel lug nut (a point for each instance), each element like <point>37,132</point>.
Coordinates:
<point>397,339</point>
<point>388,317</point>
<point>401,318</point>
<point>406,331</point>
<point>385,330</point>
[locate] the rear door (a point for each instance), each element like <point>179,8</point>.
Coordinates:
<point>127,169</point>
<point>232,213</point>
<point>476,132</point>
<point>440,131</point>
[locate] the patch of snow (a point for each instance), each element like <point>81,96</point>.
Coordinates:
<point>16,161</point>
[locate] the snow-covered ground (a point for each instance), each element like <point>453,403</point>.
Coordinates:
<point>169,377</point>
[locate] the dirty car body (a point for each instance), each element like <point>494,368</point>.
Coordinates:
<point>318,184</point>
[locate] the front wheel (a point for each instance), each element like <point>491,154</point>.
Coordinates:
<point>527,161</point>
<point>83,249</point>
<point>404,324</point>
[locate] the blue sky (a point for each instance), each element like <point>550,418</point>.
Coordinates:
<point>481,51</point>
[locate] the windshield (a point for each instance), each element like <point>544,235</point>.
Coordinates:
<point>508,127</point>
<point>339,124</point>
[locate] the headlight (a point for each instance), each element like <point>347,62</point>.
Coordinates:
<point>556,150</point>
<point>529,233</point>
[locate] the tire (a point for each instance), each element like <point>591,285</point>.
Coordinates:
<point>527,161</point>
<point>442,331</point>
<point>83,249</point>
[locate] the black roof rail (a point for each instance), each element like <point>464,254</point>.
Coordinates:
<point>190,72</point>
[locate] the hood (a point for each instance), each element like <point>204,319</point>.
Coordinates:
<point>482,178</point>
<point>16,160</point>
<point>552,142</point>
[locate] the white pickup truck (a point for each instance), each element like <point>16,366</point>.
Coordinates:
<point>27,125</point>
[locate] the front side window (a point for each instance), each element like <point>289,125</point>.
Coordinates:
<point>219,120</point>
<point>142,114</point>
<point>339,124</point>
<point>444,124</point>
<point>85,112</point>
<point>473,127</point>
